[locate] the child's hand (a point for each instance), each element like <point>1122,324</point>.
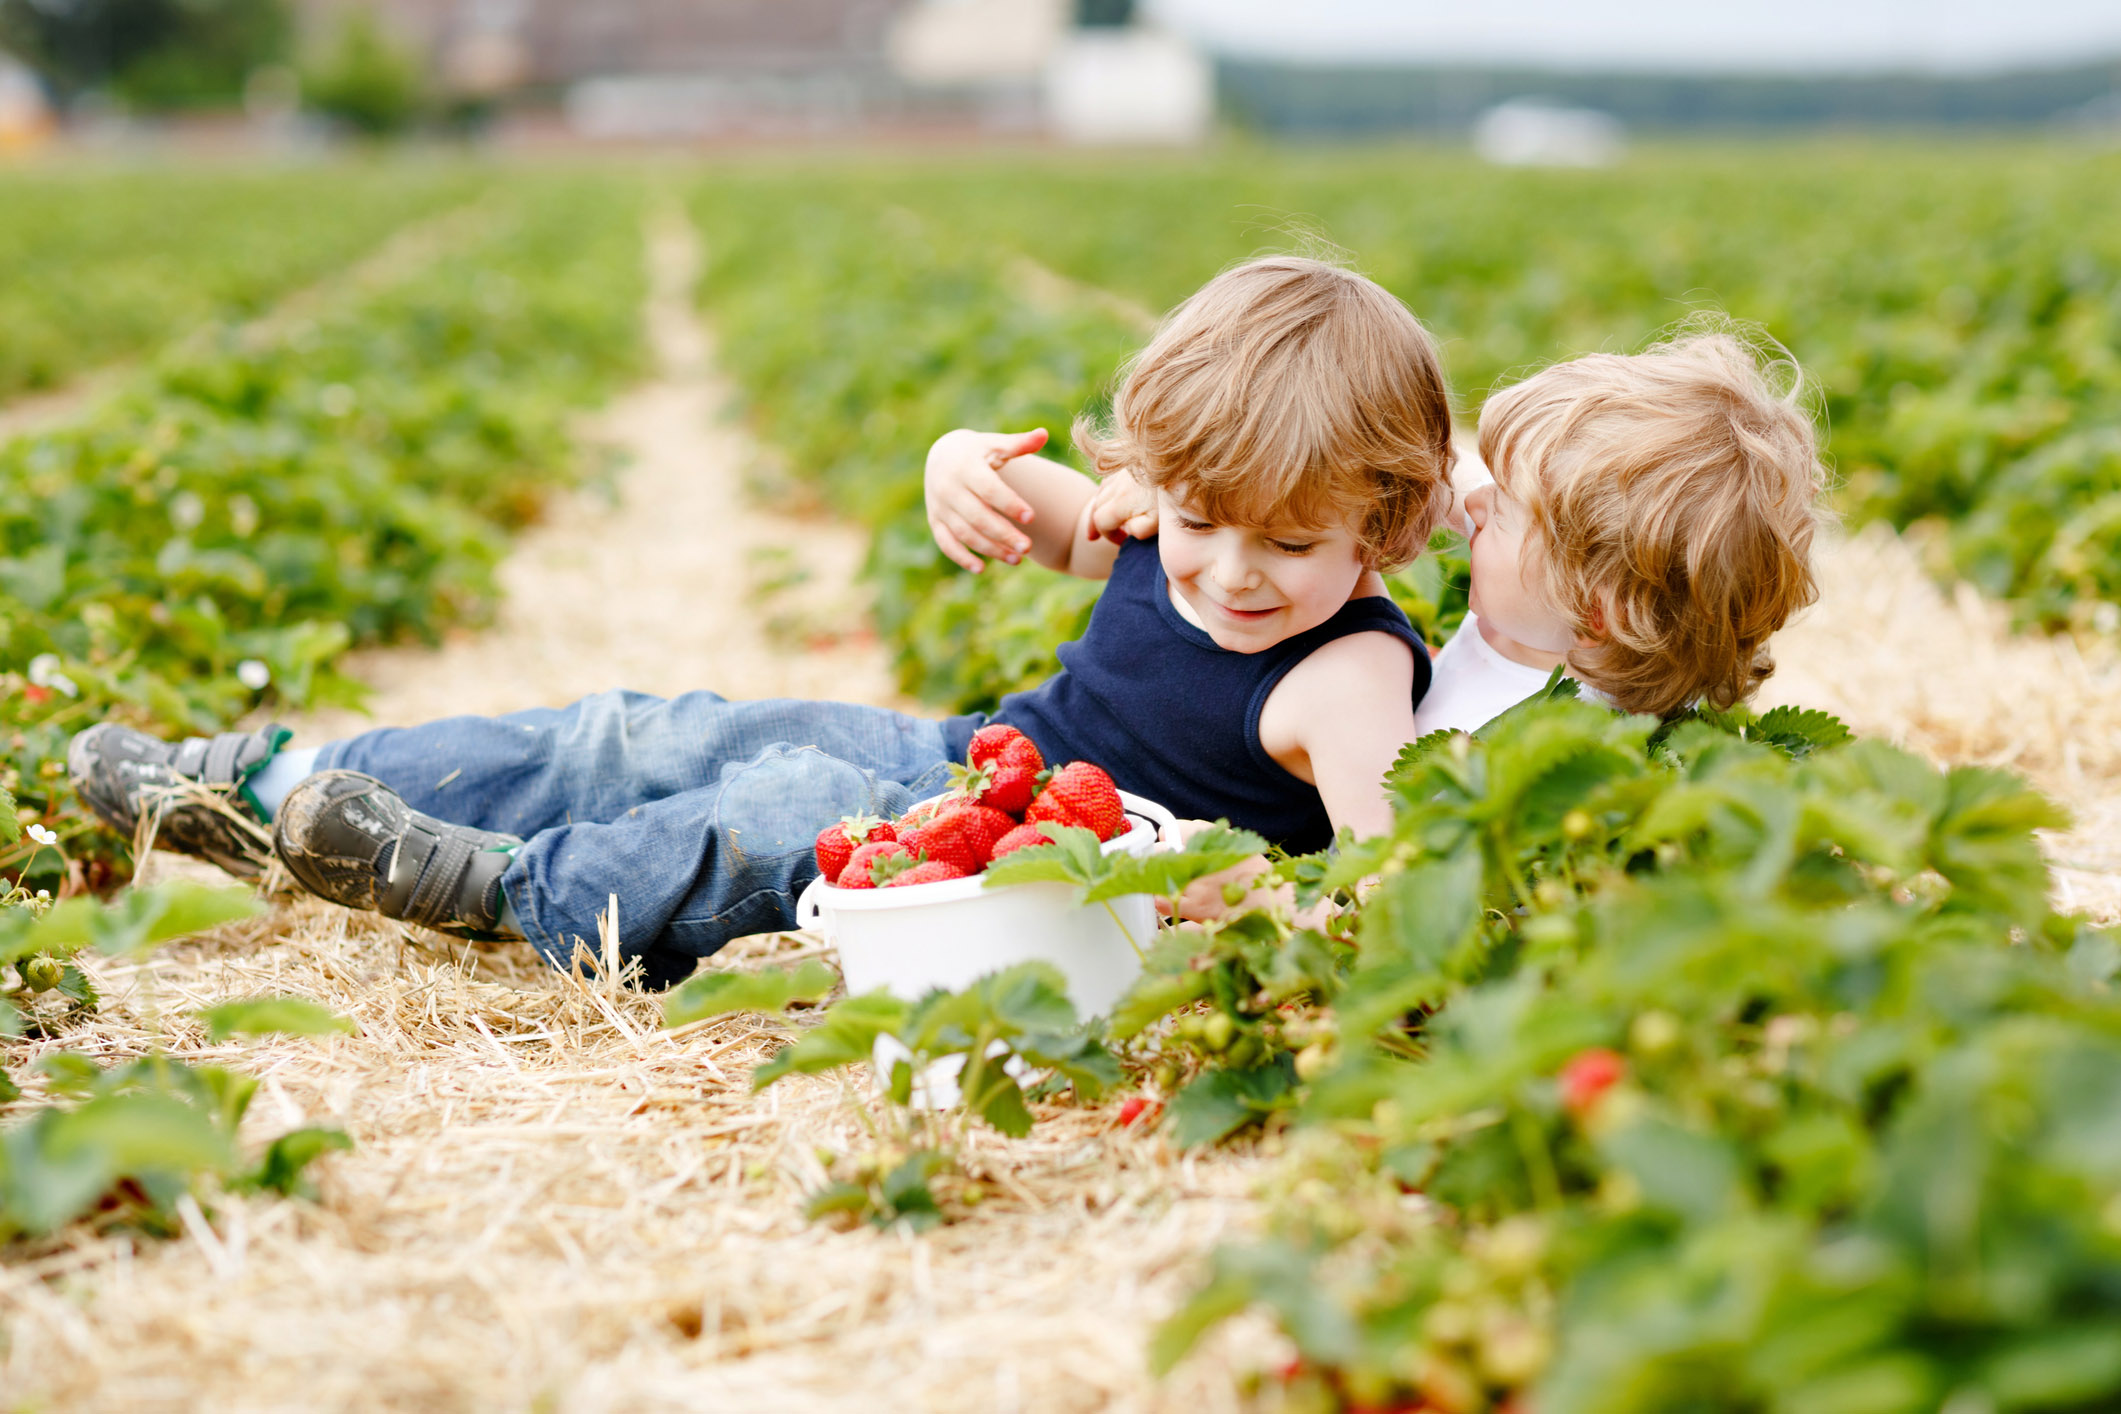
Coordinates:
<point>971,510</point>
<point>1204,900</point>
<point>1121,507</point>
<point>1209,899</point>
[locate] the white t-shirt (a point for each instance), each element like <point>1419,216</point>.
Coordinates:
<point>1470,684</point>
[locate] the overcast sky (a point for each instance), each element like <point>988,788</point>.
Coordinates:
<point>1952,35</point>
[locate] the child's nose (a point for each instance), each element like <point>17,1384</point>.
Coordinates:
<point>1234,570</point>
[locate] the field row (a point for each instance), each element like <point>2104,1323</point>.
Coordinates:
<point>244,510</point>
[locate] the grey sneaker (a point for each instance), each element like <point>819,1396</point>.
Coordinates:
<point>351,839</point>
<point>186,796</point>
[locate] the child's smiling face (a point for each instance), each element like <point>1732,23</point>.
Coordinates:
<point>1250,587</point>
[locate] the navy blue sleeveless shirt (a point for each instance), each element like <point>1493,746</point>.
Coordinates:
<point>1153,700</point>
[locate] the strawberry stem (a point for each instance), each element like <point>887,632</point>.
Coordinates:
<point>1123,930</point>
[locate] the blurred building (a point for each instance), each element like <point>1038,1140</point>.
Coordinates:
<point>25,115</point>
<point>657,68</point>
<point>1086,70</point>
<point>1531,132</point>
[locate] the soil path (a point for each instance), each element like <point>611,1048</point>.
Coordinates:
<point>553,1203</point>
<point>682,583</point>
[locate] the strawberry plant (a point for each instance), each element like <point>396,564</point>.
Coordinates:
<point>121,1144</point>
<point>950,1056</point>
<point>1678,1065</point>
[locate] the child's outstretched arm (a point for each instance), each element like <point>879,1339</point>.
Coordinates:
<point>988,495</point>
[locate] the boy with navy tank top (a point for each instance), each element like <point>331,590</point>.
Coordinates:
<point>1291,420</point>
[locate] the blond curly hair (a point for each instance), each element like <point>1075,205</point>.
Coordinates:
<point>1289,391</point>
<point>1673,496</point>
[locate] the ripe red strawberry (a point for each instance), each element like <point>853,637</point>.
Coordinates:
<point>932,871</point>
<point>860,872</point>
<point>1011,789</point>
<point>998,745</point>
<point>1586,1078</point>
<point>955,838</point>
<point>1080,794</point>
<point>998,785</point>
<point>993,824</point>
<point>1017,838</point>
<point>837,843</point>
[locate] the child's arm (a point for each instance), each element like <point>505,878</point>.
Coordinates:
<point>987,495</point>
<point>1339,720</point>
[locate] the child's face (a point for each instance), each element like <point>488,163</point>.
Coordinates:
<point>1250,587</point>
<point>1505,590</point>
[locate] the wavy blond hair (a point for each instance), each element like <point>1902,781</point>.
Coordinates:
<point>1289,391</point>
<point>1673,496</point>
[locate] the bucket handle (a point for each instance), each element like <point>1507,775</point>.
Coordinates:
<point>810,908</point>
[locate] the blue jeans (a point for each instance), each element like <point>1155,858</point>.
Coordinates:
<point>701,814</point>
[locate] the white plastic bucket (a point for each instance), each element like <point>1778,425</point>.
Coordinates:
<point>913,940</point>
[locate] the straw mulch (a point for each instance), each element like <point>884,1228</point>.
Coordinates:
<point>556,1203</point>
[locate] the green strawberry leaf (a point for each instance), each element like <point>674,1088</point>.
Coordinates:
<point>1076,856</point>
<point>1164,873</point>
<point>285,1016</point>
<point>845,1035</point>
<point>1221,1102</point>
<point>283,1167</point>
<point>770,990</point>
<point>1800,731</point>
<point>1153,997</point>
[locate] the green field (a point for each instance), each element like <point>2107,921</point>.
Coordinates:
<point>1721,1063</point>
<point>100,265</point>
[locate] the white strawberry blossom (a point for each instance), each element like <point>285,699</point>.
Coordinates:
<point>44,672</point>
<point>43,834</point>
<point>253,674</point>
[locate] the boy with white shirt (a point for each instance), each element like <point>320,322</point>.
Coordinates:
<point>1648,523</point>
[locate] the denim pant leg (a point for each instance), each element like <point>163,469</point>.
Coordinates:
<point>591,760</point>
<point>699,813</point>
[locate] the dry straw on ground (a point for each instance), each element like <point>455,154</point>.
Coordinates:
<point>555,1204</point>
<point>555,1200</point>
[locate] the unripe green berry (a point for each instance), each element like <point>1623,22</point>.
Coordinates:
<point>1653,1033</point>
<point>1313,1061</point>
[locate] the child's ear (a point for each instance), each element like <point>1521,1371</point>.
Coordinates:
<point>1595,629</point>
